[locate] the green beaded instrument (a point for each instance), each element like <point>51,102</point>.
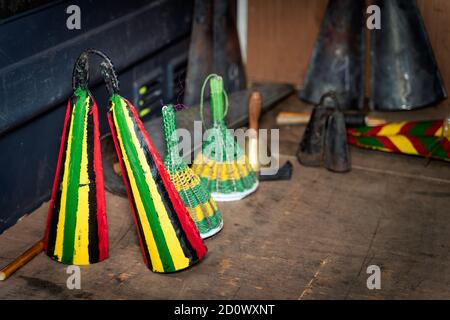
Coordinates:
<point>197,199</point>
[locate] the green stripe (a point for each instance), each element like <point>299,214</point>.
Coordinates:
<point>192,197</point>
<point>363,130</point>
<point>220,145</point>
<point>217,98</point>
<point>370,142</point>
<point>420,128</point>
<point>78,121</point>
<point>144,191</point>
<point>209,223</point>
<point>435,146</point>
<point>228,186</point>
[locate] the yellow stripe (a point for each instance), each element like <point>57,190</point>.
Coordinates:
<point>176,182</point>
<point>202,210</point>
<point>229,171</point>
<point>184,179</point>
<point>213,204</point>
<point>234,171</point>
<point>391,129</point>
<point>438,133</point>
<point>198,213</point>
<point>403,144</point>
<point>194,180</point>
<point>148,234</point>
<point>62,210</point>
<point>208,208</point>
<point>202,167</point>
<point>198,162</point>
<point>205,167</point>
<point>244,169</point>
<point>208,170</point>
<point>179,259</point>
<point>213,169</point>
<point>81,250</point>
<point>223,170</point>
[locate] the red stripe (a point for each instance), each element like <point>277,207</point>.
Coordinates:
<point>58,171</point>
<point>418,145</point>
<point>406,127</point>
<point>100,189</point>
<point>373,131</point>
<point>388,144</point>
<point>183,215</point>
<point>434,127</point>
<point>353,132</point>
<point>351,140</point>
<point>125,181</point>
<point>446,146</point>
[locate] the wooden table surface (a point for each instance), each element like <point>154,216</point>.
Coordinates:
<point>309,238</point>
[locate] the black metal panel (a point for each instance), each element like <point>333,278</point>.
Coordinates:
<point>32,104</point>
<point>38,50</point>
<point>9,8</point>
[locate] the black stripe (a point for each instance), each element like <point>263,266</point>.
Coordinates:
<point>186,246</point>
<point>133,204</point>
<point>93,246</point>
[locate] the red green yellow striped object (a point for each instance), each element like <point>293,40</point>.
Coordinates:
<point>421,138</point>
<point>76,231</point>
<point>168,237</point>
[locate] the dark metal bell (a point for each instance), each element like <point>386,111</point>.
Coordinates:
<point>337,61</point>
<point>200,61</point>
<point>404,72</point>
<point>227,51</point>
<point>336,151</point>
<point>311,149</point>
<point>214,48</point>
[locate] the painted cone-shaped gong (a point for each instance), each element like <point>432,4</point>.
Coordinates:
<point>222,165</point>
<point>168,237</point>
<point>76,230</point>
<point>196,197</point>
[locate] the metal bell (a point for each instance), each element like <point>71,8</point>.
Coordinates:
<point>336,151</point>
<point>310,151</point>
<point>405,75</point>
<point>337,62</point>
<point>214,48</point>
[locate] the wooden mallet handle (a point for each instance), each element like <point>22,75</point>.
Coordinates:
<point>254,110</point>
<point>292,118</point>
<point>286,117</point>
<point>22,260</point>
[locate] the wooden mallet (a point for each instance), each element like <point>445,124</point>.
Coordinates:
<point>22,260</point>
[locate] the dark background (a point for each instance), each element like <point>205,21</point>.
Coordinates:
<point>147,41</point>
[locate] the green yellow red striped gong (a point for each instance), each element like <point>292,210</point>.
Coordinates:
<point>76,230</point>
<point>168,236</point>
